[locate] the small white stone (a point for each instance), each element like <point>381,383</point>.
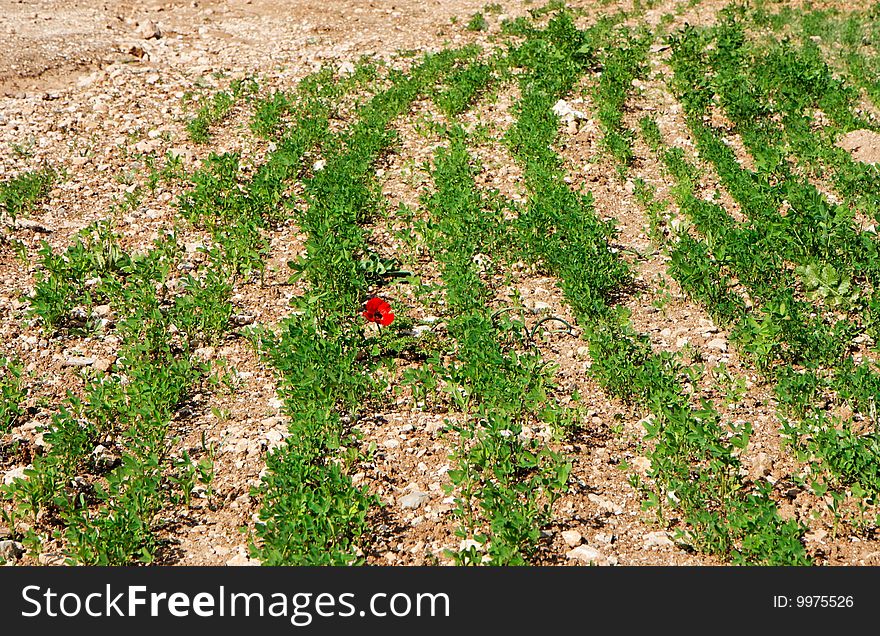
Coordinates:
<point>586,554</point>
<point>413,500</point>
<point>566,112</point>
<point>657,540</point>
<point>79,361</point>
<point>12,475</point>
<point>572,538</point>
<point>149,30</point>
<point>51,558</point>
<point>11,550</point>
<point>605,504</point>
<point>717,344</point>
<point>241,559</point>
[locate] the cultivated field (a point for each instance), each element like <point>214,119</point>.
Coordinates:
<point>410,283</point>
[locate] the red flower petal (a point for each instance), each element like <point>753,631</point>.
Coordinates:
<point>373,304</point>
<point>378,310</point>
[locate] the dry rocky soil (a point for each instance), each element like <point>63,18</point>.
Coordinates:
<point>88,87</point>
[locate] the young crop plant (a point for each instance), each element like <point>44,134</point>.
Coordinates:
<point>12,393</point>
<point>836,261</point>
<point>695,466</point>
<point>123,527</point>
<point>216,108</point>
<point>847,455</point>
<point>654,208</point>
<point>624,60</point>
<point>781,327</point>
<point>552,6</point>
<point>171,172</point>
<point>281,113</point>
<point>138,409</point>
<point>558,225</point>
<point>764,270</point>
<point>477,22</point>
<point>20,194</point>
<point>694,458</point>
<point>87,274</point>
<point>852,32</point>
<point>467,86</point>
<point>113,520</point>
<point>311,511</point>
<point>505,485</point>
<point>236,211</point>
<point>270,113</point>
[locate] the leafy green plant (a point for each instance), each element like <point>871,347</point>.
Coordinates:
<point>464,87</point>
<point>12,393</point>
<point>477,22</point>
<point>623,62</point>
<point>505,485</point>
<point>825,283</point>
<point>19,195</point>
<point>311,511</point>
<point>88,273</point>
<point>217,107</point>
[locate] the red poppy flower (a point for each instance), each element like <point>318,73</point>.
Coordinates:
<point>378,311</point>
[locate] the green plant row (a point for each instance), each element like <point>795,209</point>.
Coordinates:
<point>775,330</point>
<point>695,464</point>
<point>558,225</point>
<point>464,87</point>
<point>274,115</point>
<point>788,328</point>
<point>236,209</point>
<point>845,449</point>
<point>790,84</point>
<point>624,60</point>
<point>12,393</point>
<point>837,263</point>
<point>813,234</point>
<point>834,441</point>
<point>311,512</point>
<point>217,107</point>
<point>850,34</point>
<point>19,194</point>
<point>106,504</point>
<point>161,318</point>
<point>506,484</point>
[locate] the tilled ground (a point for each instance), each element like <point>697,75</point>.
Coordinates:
<point>90,88</point>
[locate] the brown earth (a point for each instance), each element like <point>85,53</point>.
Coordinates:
<point>88,87</point>
<point>863,144</point>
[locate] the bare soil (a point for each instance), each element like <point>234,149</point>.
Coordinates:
<point>87,87</point>
<point>863,144</point>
